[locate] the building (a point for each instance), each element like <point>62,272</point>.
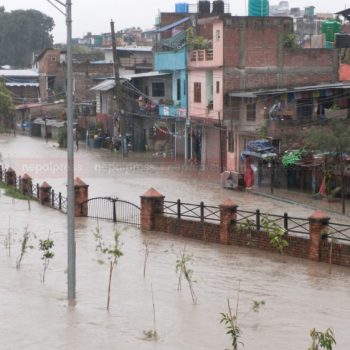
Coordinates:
<point>23,84</point>
<point>248,77</point>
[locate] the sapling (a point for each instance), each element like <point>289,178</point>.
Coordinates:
<point>46,246</point>
<point>113,253</point>
<point>183,270</point>
<point>276,234</point>
<point>322,340</point>
<point>230,320</point>
<point>152,333</point>
<point>146,243</point>
<point>25,245</point>
<point>8,239</point>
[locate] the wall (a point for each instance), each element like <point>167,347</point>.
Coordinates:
<point>298,247</point>
<point>170,60</point>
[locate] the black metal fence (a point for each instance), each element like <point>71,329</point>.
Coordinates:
<point>54,199</point>
<point>252,219</point>
<point>112,209</point>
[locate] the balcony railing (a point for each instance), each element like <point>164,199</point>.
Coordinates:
<point>202,55</point>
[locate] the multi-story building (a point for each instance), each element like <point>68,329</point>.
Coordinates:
<point>250,76</point>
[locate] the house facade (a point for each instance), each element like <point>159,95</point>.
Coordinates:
<point>248,77</point>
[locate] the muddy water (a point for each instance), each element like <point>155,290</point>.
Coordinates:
<point>108,174</point>
<point>299,295</point>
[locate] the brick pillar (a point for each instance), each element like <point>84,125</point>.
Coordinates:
<point>318,224</point>
<point>44,193</point>
<point>26,185</point>
<point>152,204</point>
<point>228,215</point>
<point>10,177</point>
<point>81,196</point>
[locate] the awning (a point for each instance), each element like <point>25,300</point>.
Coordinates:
<point>110,84</point>
<point>22,84</point>
<point>256,93</point>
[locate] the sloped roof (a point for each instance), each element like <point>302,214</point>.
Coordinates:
<point>18,73</point>
<point>169,26</point>
<point>110,84</point>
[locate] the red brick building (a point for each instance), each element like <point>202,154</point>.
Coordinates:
<point>249,76</point>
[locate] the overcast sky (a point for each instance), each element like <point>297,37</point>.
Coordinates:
<point>95,15</point>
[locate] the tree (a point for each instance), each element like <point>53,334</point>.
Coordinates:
<point>7,109</point>
<point>334,139</point>
<point>22,33</point>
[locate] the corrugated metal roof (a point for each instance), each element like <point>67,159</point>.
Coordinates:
<point>252,94</point>
<point>169,26</point>
<point>22,84</point>
<point>144,75</point>
<point>109,83</point>
<point>104,86</point>
<point>18,73</point>
<point>132,48</point>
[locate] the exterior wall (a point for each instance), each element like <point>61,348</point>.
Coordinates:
<point>212,148</point>
<point>170,60</point>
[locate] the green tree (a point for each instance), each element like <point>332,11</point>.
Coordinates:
<point>334,138</point>
<point>7,110</point>
<point>22,33</point>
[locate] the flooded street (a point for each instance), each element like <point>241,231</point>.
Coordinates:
<point>108,174</point>
<point>299,294</point>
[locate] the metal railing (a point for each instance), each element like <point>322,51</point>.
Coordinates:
<point>251,219</point>
<point>194,211</point>
<point>54,200</point>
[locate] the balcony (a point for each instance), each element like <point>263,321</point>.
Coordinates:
<point>171,111</point>
<point>202,55</point>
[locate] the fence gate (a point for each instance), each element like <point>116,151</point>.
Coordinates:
<point>113,209</point>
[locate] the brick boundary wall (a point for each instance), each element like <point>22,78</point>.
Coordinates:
<point>316,248</point>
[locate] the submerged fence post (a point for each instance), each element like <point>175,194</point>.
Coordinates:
<point>10,177</point>
<point>178,209</point>
<point>152,205</point>
<point>318,222</point>
<point>81,198</point>
<point>228,216</point>
<point>26,185</point>
<point>44,192</point>
<point>114,210</point>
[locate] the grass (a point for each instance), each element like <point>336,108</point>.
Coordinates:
<point>13,192</point>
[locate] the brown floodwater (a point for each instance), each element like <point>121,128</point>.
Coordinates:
<point>299,294</point>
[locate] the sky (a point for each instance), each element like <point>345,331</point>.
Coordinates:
<point>95,15</point>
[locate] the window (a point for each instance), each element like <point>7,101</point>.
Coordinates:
<point>251,112</point>
<point>217,87</point>
<point>231,142</point>
<point>53,59</point>
<point>158,89</point>
<point>178,89</point>
<point>197,93</point>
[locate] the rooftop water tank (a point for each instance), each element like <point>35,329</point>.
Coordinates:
<point>329,28</point>
<point>181,7</point>
<point>204,7</point>
<point>218,7</point>
<point>309,11</point>
<point>258,8</point>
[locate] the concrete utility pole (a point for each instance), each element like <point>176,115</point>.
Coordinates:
<point>70,152</point>
<point>117,93</point>
<point>70,162</point>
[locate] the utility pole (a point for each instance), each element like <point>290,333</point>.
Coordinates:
<point>117,93</point>
<point>71,268</point>
<point>70,162</point>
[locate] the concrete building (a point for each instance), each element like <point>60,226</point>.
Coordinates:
<point>249,77</point>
